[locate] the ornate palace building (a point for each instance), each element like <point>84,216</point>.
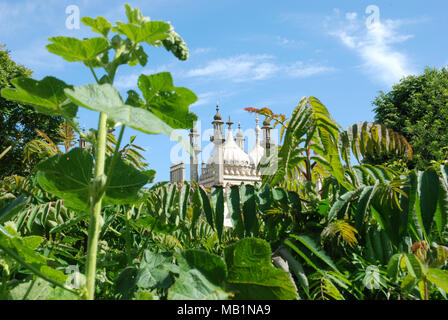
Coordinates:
<point>229,164</point>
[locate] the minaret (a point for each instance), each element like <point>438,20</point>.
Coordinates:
<point>194,142</point>
<point>266,134</point>
<point>218,140</point>
<point>240,137</point>
<point>257,131</point>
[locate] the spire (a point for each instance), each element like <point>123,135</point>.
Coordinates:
<point>229,123</point>
<point>239,133</point>
<point>240,137</point>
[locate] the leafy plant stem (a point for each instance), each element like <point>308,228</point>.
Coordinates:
<point>94,75</point>
<point>92,245</point>
<point>115,155</point>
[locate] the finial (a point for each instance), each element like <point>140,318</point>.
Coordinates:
<point>217,116</point>
<point>229,123</point>
<point>239,125</point>
<point>256,119</point>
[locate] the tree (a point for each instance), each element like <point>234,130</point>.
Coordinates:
<point>417,107</point>
<point>18,122</point>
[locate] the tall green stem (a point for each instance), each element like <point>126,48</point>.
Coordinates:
<point>92,245</point>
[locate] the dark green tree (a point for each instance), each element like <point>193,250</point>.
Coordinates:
<point>18,121</point>
<point>417,107</point>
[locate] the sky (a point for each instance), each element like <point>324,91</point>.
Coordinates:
<point>248,54</point>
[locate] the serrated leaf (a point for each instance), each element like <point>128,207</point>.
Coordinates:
<point>73,50</point>
<point>69,175</point>
<point>166,101</point>
<point>99,25</point>
<point>105,98</point>
<point>149,31</point>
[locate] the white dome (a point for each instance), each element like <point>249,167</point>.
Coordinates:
<point>232,154</point>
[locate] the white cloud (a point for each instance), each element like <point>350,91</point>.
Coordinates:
<point>301,70</point>
<point>243,68</point>
<point>239,68</point>
<point>375,44</point>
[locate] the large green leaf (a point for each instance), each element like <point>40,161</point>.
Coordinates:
<point>441,213</point>
<point>327,136</point>
<point>99,25</point>
<point>125,182</point>
<point>47,95</point>
<point>8,212</point>
<point>251,274</point>
<point>247,194</point>
<point>439,278</point>
<point>299,124</point>
<point>149,31</point>
<point>72,49</point>
<point>105,98</point>
<point>166,101</point>
<point>234,207</point>
<point>69,175</point>
<point>342,202</point>
<point>218,205</point>
<point>154,270</point>
<point>39,289</point>
<point>205,205</point>
<point>202,277</point>
<point>427,191</point>
<point>316,250</point>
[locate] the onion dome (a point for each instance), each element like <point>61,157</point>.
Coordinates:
<point>231,153</point>
<point>217,116</point>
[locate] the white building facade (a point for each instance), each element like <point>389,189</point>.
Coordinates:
<point>229,163</point>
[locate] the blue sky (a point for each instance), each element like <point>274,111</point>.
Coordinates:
<point>250,53</point>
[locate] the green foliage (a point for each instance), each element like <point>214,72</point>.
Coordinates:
<point>73,50</point>
<point>417,108</point>
<point>69,177</point>
<point>251,274</point>
<point>47,96</point>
